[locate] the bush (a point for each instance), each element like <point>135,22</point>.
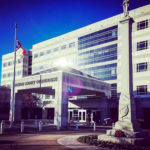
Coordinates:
<point>93,140</point>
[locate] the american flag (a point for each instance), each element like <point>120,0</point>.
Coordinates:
<point>19,47</point>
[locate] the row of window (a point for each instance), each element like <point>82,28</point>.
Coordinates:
<point>97,38</point>
<point>105,72</point>
<point>48,96</point>
<point>10,63</point>
<point>103,54</point>
<point>140,90</point>
<point>63,47</point>
<point>11,74</point>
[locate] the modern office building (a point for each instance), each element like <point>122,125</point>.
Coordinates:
<point>93,50</point>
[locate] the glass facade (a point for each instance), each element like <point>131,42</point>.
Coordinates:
<point>97,38</point>
<point>103,54</point>
<point>105,72</point>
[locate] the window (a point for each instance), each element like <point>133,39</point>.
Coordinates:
<point>47,96</point>
<point>18,73</point>
<point>41,67</point>
<point>4,75</point>
<point>142,45</point>
<point>9,74</point>
<point>41,53</point>
<point>142,90</point>
<point>4,64</point>
<point>141,67</point>
<point>35,55</point>
<point>63,47</point>
<point>9,63</point>
<point>19,61</point>
<point>114,90</point>
<point>114,33</point>
<point>142,25</point>
<point>30,61</point>
<point>55,49</point>
<point>49,51</point>
<point>71,45</point>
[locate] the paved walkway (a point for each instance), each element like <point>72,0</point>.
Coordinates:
<point>53,140</point>
<point>71,142</point>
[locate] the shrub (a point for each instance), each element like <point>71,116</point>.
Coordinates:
<point>93,140</point>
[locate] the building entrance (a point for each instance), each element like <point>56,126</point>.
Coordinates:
<point>77,115</point>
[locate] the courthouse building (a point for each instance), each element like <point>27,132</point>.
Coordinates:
<point>91,55</point>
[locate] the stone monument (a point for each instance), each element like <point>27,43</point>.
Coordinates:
<point>127,112</point>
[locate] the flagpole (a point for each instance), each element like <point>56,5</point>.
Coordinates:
<point>12,112</point>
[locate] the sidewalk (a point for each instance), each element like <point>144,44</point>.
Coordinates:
<point>71,142</point>
<point>50,140</point>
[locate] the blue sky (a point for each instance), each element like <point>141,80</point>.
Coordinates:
<point>40,20</point>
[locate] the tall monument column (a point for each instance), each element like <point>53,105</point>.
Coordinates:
<point>127,112</point>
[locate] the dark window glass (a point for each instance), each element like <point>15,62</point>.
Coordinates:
<point>71,45</point>
<point>63,47</point>
<point>70,115</point>
<point>83,115</point>
<point>142,45</point>
<point>4,64</point>
<point>142,90</point>
<point>142,67</point>
<point>30,60</point>
<point>114,90</point>
<point>47,96</point>
<point>55,50</point>
<point>9,63</point>
<point>48,52</point>
<point>19,61</point>
<point>41,53</point>
<point>142,25</point>
<point>9,74</point>
<point>35,55</point>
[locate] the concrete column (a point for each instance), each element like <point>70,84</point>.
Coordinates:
<point>127,115</point>
<point>61,107</point>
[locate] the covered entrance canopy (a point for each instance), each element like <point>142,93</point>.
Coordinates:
<point>62,83</point>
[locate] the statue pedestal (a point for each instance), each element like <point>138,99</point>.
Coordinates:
<point>124,140</point>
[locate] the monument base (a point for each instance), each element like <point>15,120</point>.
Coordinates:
<point>124,140</point>
<point>131,133</point>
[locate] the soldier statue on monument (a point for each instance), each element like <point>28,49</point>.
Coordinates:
<point>125,5</point>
